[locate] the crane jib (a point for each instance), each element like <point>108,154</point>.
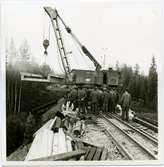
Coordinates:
<point>54,16</point>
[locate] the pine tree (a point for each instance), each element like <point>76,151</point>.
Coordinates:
<point>152,84</point>
<point>24,52</point>
<point>12,52</point>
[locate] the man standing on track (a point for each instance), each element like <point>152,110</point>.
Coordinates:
<point>105,100</point>
<point>81,100</point>
<point>94,101</point>
<point>111,100</point>
<point>73,98</point>
<point>125,104</point>
<point>99,91</point>
<point>115,99</point>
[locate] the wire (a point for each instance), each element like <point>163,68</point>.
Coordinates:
<point>43,25</point>
<point>81,54</point>
<point>49,31</point>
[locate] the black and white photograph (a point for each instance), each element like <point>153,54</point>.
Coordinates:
<point>81,81</point>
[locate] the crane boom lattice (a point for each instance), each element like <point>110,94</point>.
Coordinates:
<point>60,44</point>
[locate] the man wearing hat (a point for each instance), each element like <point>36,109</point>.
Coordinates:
<point>105,99</point>
<point>125,104</point>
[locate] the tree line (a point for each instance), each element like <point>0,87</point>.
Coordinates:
<point>20,60</point>
<point>142,87</point>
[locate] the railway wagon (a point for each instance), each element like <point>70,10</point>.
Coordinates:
<point>99,78</point>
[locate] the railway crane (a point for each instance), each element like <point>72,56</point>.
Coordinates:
<point>55,17</point>
<point>82,76</point>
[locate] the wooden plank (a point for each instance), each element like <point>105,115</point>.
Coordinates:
<point>45,126</point>
<point>62,141</point>
<point>62,156</point>
<point>41,145</point>
<point>98,153</point>
<point>80,146</point>
<point>57,124</point>
<point>87,152</point>
<point>69,144</point>
<point>86,143</point>
<point>91,153</point>
<point>55,144</point>
<point>104,154</point>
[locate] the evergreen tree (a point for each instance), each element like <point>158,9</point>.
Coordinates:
<point>24,52</point>
<point>12,53</point>
<point>152,84</point>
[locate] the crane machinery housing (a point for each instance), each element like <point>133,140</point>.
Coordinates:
<point>77,76</point>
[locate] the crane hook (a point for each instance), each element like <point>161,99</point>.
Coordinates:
<point>45,45</point>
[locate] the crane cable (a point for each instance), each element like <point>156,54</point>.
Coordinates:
<point>81,53</point>
<point>49,31</point>
<point>44,29</point>
<point>76,61</point>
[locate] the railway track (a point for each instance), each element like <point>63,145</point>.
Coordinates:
<point>131,144</point>
<point>140,131</point>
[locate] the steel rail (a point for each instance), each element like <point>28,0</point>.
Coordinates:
<point>145,134</point>
<point>145,123</point>
<point>122,150</point>
<point>132,139</point>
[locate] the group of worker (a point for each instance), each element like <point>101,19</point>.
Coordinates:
<point>99,99</point>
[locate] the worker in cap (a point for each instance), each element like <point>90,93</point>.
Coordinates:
<point>115,99</point>
<point>125,103</point>
<point>81,100</point>
<point>100,99</point>
<point>72,97</point>
<point>111,100</point>
<point>94,101</point>
<point>105,99</point>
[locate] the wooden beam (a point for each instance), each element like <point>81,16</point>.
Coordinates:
<point>91,153</point>
<point>87,152</point>
<point>62,156</point>
<point>62,141</point>
<point>41,145</point>
<point>104,154</point>
<point>98,153</point>
<point>55,144</point>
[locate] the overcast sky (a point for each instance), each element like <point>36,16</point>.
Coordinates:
<point>127,31</point>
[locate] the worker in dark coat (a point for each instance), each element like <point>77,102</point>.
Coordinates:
<point>94,101</point>
<point>115,99</point>
<point>73,98</point>
<point>81,100</point>
<point>111,101</point>
<point>87,98</point>
<point>100,99</point>
<point>125,104</point>
<point>105,100</point>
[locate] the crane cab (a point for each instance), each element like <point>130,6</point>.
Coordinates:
<point>88,77</point>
